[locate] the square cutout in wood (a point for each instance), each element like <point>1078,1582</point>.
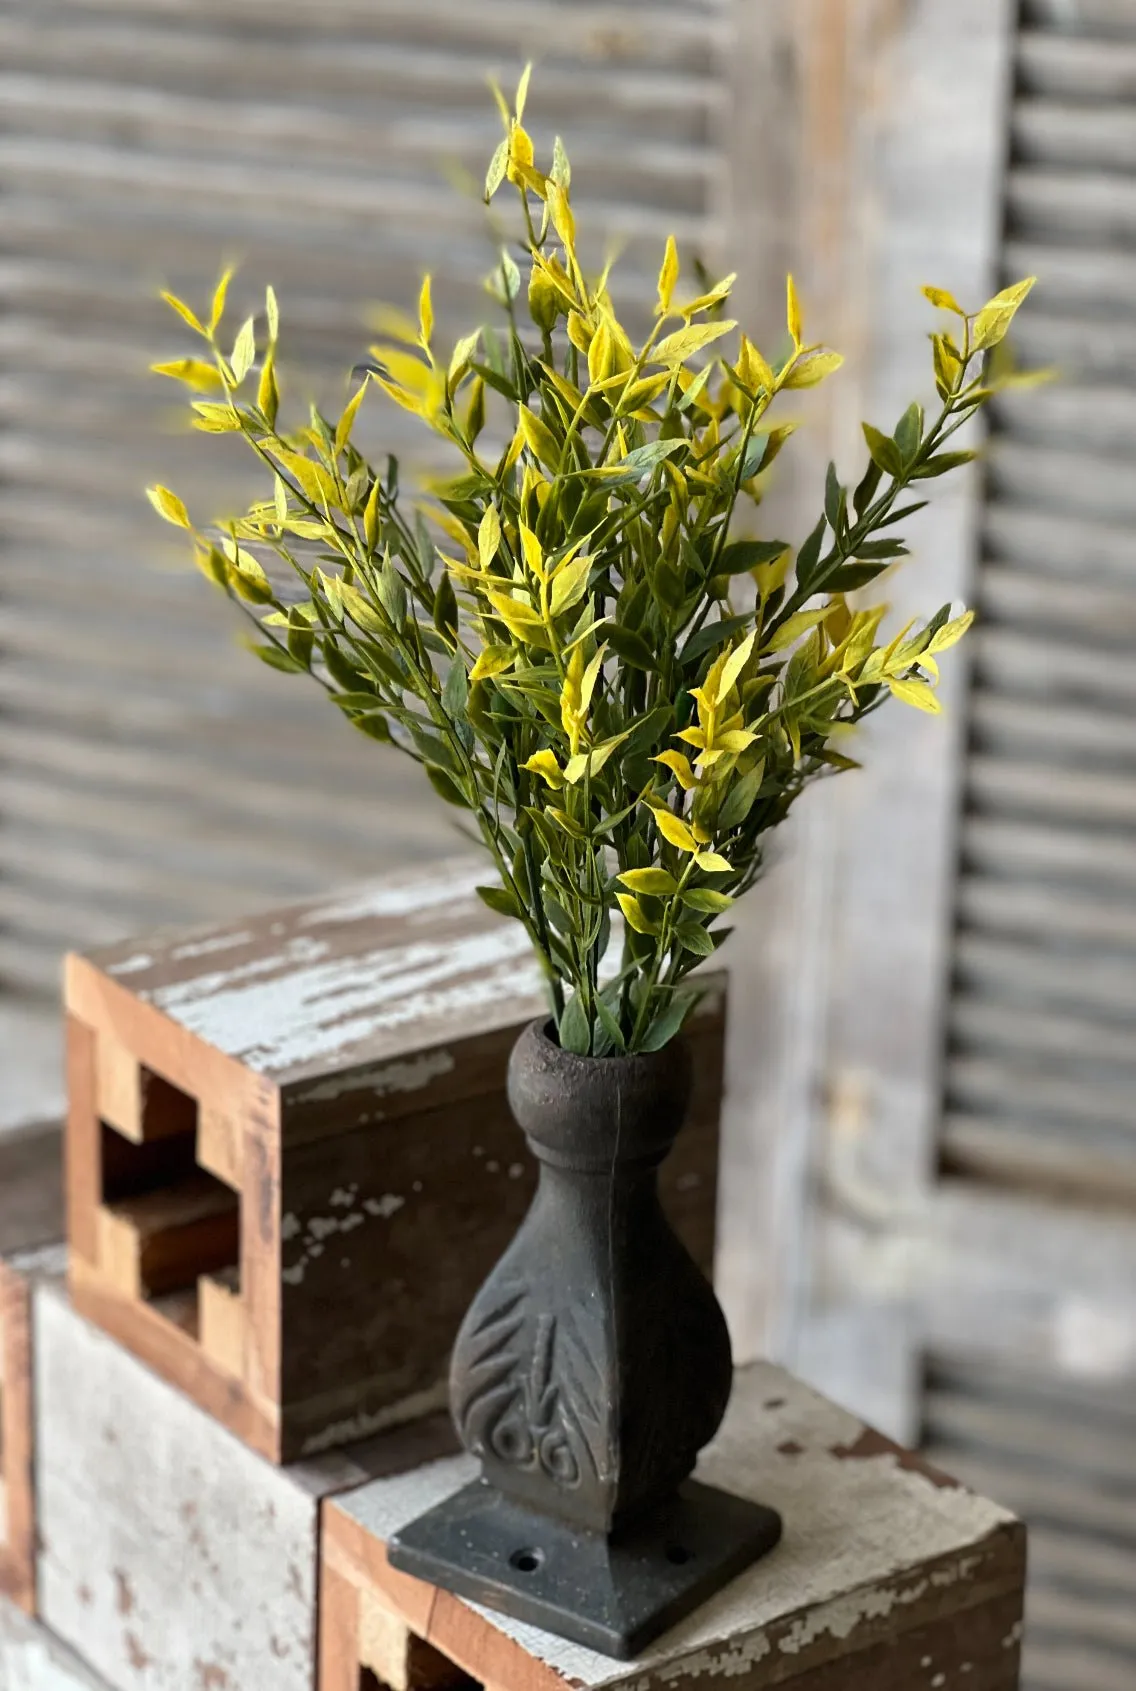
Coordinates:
<point>291,1157</point>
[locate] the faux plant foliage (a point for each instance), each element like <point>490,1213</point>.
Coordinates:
<point>574,637</point>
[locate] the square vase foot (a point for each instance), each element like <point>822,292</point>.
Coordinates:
<point>614,1595</point>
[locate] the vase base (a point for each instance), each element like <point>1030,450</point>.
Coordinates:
<point>613,1595</point>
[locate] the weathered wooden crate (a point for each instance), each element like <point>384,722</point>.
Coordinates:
<point>889,1577</point>
<point>31,1212</point>
<point>290,1156</point>
<point>171,1555</point>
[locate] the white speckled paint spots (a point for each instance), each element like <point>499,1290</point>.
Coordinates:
<point>315,1233</point>
<point>132,965</point>
<point>402,897</point>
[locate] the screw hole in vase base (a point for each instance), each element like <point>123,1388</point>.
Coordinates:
<point>679,1555</point>
<point>526,1561</point>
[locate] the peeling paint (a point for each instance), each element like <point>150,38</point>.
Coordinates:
<point>410,1075</point>
<point>363,1426</point>
<point>226,941</point>
<point>131,965</point>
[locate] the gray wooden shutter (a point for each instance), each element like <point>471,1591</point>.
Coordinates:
<point>150,771</point>
<point>1041,1077</point>
<point>1040,1083</point>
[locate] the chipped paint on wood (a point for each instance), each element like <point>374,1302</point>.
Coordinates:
<point>409,1075</point>
<point>32,1660</point>
<point>866,1541</point>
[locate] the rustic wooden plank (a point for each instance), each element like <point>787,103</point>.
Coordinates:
<point>936,1582</point>
<point>186,1572</point>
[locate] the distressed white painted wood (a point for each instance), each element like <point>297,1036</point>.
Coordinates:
<point>870,1538</point>
<point>171,1555</point>
<point>31,1659</point>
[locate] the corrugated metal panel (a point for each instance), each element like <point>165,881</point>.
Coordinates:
<point>1041,1068</point>
<point>1064,1457</point>
<point>149,771</point>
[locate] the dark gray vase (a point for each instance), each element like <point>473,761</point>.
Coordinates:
<point>592,1367</point>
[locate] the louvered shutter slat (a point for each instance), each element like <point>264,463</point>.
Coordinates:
<point>149,771</point>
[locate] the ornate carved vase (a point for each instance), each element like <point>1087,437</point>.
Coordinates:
<point>591,1368</point>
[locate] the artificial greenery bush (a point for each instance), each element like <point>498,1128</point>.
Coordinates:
<point>624,690</point>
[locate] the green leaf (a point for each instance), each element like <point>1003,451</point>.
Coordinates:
<point>694,938</point>
<point>885,453</point>
<point>742,555</point>
<point>909,433</point>
<point>500,900</point>
<point>275,658</point>
<point>739,801</point>
<point>609,1024</point>
<point>712,634</point>
<point>808,557</point>
<point>669,1022</point>
<point>445,786</point>
<point>637,464</point>
<point>629,646</point>
<point>456,690</point>
<point>575,1034</point>
<point>706,900</point>
<point>942,463</point>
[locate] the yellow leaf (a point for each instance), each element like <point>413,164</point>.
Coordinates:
<point>315,482</point>
<point>371,517</point>
<point>714,297</point>
<point>220,295</point>
<point>562,219</point>
<point>569,585</point>
<point>539,438</point>
<point>580,331</point>
<point>657,882</point>
<point>943,300</point>
<point>347,420</point>
<point>462,354</point>
<point>244,350</point>
<point>684,343</point>
<point>712,863</point>
<point>520,151</point>
<point>168,505</point>
<point>793,312</point>
<point>679,767</point>
<point>590,677</point>
<point>183,311</point>
<point>601,353</point>
<point>633,913</point>
<point>489,537</point>
<point>194,372</point>
<point>734,666</point>
<point>811,368</point>
<point>361,613</point>
<point>272,312</point>
<point>916,693</point>
<point>533,551</point>
<point>492,660</point>
<point>643,391</point>
<point>267,392</point>
<point>408,401</point>
<point>754,372</point>
<point>425,312</point>
<point>246,575</point>
<point>520,619</point>
<point>215,419</point>
<point>668,276</point>
<point>951,633</point>
<point>522,91</point>
<point>673,829</point>
<point>796,626</point>
<point>545,765</point>
<point>993,321</point>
